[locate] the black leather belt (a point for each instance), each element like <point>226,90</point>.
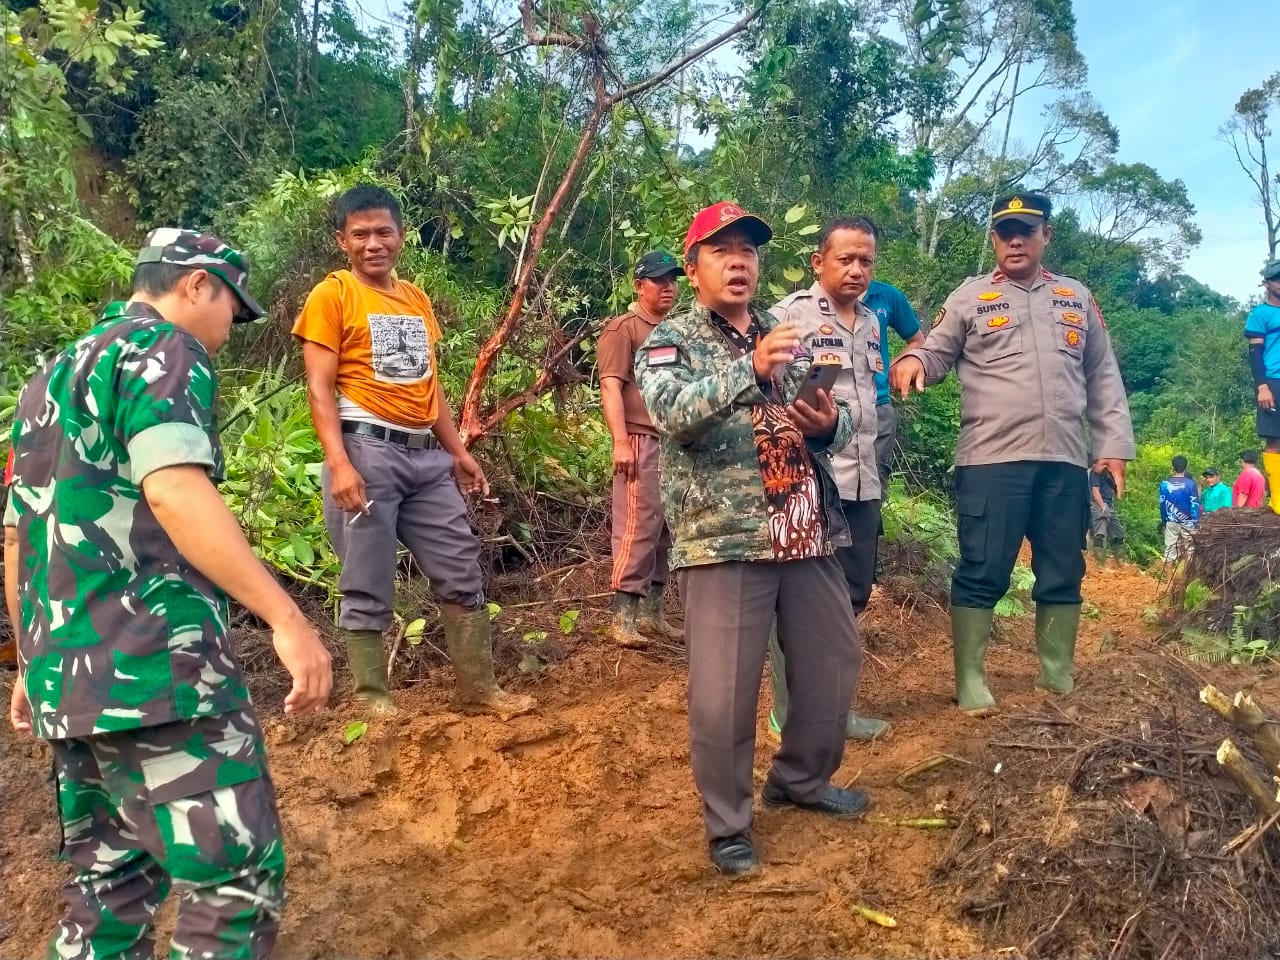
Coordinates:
<point>414,441</point>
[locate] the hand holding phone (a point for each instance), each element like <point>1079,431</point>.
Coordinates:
<point>821,376</point>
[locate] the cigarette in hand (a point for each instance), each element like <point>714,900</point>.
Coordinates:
<point>360,513</point>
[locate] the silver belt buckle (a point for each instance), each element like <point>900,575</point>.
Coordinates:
<point>417,441</point>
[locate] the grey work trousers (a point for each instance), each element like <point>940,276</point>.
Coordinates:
<point>416,501</point>
<point>729,608</point>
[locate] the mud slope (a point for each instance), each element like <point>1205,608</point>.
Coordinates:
<point>575,832</point>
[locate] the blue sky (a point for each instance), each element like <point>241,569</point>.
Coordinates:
<point>1168,73</point>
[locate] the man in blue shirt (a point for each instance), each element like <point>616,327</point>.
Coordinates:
<point>1262,330</point>
<point>894,312</point>
<point>1179,511</point>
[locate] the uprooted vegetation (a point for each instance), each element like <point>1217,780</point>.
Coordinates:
<point>1223,603</point>
<point>1101,830</point>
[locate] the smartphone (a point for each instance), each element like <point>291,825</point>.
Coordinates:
<point>821,376</point>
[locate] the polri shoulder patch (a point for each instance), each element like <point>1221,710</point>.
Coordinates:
<point>1098,310</point>
<point>938,316</point>
<point>662,356</point>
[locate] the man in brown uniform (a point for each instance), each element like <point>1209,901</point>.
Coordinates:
<point>641,540</point>
<point>1035,362</point>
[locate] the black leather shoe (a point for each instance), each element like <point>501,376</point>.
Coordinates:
<point>733,856</point>
<point>834,801</point>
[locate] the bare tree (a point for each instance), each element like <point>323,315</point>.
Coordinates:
<point>583,40</point>
<point>983,57</point>
<point>1248,133</point>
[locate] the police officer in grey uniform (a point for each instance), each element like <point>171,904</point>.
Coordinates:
<point>1035,364</point>
<point>835,326</point>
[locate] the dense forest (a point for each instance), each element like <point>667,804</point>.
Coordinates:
<point>540,147</point>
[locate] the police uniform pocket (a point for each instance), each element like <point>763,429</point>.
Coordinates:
<point>971,526</point>
<point>1071,336</point>
<point>999,337</point>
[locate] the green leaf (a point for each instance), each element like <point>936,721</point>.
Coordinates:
<point>795,213</point>
<point>494,609</point>
<point>569,620</point>
<point>776,290</point>
<point>413,632</point>
<point>354,732</point>
<point>793,274</point>
<point>301,549</point>
<point>809,230</point>
<point>534,637</point>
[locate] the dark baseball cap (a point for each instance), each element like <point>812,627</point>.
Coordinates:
<point>656,263</point>
<point>1028,208</point>
<point>1271,271</point>
<point>187,248</point>
<point>1210,472</point>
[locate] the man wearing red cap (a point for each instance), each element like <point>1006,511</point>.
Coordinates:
<point>751,498</point>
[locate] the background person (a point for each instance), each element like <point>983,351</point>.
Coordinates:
<point>1105,525</point>
<point>640,538</point>
<point>1250,489</point>
<point>1215,495</point>
<point>1179,511</point>
<point>1262,331</point>
<point>836,326</point>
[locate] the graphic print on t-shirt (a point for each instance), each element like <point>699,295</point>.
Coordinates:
<point>399,348</point>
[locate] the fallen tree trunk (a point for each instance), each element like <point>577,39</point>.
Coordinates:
<point>1250,719</point>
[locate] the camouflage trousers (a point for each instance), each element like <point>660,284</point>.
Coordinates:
<point>187,803</point>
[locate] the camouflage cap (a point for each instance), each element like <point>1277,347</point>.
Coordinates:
<point>186,248</point>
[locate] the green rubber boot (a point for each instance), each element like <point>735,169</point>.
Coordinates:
<point>466,633</point>
<point>1056,627</point>
<point>1099,551</point>
<point>857,728</point>
<point>368,663</point>
<point>623,628</point>
<point>970,635</point>
<point>651,617</point>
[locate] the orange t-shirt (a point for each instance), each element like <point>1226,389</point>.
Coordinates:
<point>385,344</point>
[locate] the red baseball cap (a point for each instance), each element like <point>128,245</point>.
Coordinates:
<point>711,220</point>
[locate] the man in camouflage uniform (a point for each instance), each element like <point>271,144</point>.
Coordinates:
<point>119,556</point>
<point>1035,363</point>
<point>747,487</point>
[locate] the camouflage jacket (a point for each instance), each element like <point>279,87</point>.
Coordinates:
<point>699,393</point>
<point>117,630</point>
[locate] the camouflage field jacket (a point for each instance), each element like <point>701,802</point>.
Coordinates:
<point>118,630</point>
<point>700,394</point>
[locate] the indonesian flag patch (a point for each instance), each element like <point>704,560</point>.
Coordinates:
<point>663,356</point>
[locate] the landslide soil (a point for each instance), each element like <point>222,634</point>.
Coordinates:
<point>575,832</point>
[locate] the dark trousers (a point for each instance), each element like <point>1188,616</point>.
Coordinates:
<point>859,560</point>
<point>998,505</point>
<point>729,608</point>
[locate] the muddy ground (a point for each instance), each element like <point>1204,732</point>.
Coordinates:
<point>575,832</point>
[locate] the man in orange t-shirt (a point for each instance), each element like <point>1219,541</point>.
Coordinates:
<point>395,467</point>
